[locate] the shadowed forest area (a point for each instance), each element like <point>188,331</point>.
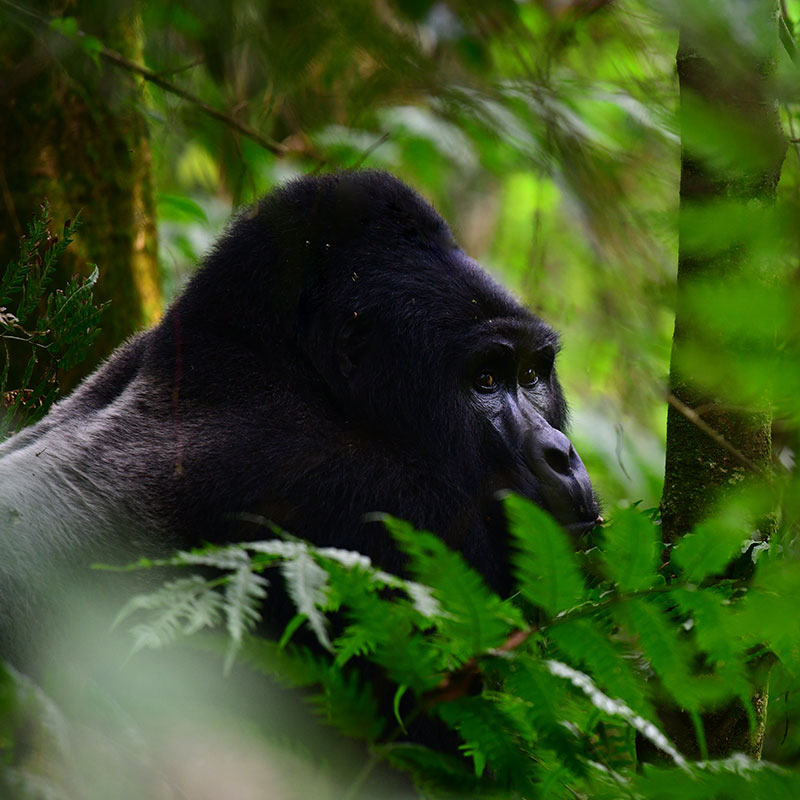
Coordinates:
<point>630,170</point>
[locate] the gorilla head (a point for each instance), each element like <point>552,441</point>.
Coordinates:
<point>337,354</point>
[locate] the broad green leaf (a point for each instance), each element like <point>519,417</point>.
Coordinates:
<point>180,208</point>
<point>709,548</point>
<point>769,615</point>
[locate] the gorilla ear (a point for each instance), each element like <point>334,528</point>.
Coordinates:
<point>352,344</point>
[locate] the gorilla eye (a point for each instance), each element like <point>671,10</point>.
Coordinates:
<point>528,377</point>
<point>486,381</point>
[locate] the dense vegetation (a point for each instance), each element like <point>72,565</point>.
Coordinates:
<point>557,140</point>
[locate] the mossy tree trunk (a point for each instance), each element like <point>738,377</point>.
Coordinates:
<point>73,131</point>
<point>714,446</point>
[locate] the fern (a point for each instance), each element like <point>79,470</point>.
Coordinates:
<point>550,710</point>
<point>630,551</point>
<point>612,707</point>
<point>244,592</point>
<point>66,325</point>
<point>183,606</point>
<point>545,568</point>
<point>487,730</point>
<point>307,584</point>
<point>589,645</point>
<point>709,548</point>
<point>476,618</point>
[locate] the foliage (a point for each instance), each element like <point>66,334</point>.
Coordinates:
<point>547,133</point>
<point>56,326</point>
<point>551,706</point>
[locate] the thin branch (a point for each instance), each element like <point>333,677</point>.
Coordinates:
<point>153,77</point>
<point>118,60</point>
<point>697,420</point>
<point>374,146</point>
<point>787,40</point>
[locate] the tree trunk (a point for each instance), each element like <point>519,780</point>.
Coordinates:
<point>712,447</point>
<point>72,131</point>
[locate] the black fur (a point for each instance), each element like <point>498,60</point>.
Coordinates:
<point>321,365</point>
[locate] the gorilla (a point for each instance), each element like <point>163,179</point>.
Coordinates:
<point>336,354</point>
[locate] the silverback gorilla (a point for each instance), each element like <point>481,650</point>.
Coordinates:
<point>337,354</point>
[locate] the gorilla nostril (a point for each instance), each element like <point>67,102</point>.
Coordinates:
<point>557,459</point>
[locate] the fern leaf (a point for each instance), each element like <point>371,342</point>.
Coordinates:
<point>244,592</point>
<point>307,584</point>
<point>181,606</point>
<point>671,656</point>
<point>474,617</point>
<point>631,551</point>
<point>544,565</point>
<point>493,738</point>
<point>354,641</point>
<point>615,708</point>
<point>587,645</point>
<point>709,547</point>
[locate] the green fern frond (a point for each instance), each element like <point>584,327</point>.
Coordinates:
<point>245,591</point>
<point>545,568</point>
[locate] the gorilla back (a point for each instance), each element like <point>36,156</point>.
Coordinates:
<point>336,354</point>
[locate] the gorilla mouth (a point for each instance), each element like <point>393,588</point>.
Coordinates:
<point>581,527</point>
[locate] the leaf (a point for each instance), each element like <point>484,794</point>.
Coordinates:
<point>471,615</point>
<point>66,26</point>
<point>544,705</point>
<point>735,777</point>
<point>673,657</point>
<point>182,606</point>
<point>244,592</point>
<point>709,548</point>
<point>769,615</point>
<point>487,730</point>
<point>354,641</point>
<point>348,703</point>
<point>631,550</point>
<point>544,564</point>
<point>715,623</point>
<point>440,774</point>
<point>344,699</point>
<point>586,644</point>
<point>307,584</point>
<point>180,208</point>
<point>616,708</point>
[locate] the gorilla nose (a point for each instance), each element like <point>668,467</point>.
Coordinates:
<point>557,458</point>
<point>561,477</point>
<point>550,454</point>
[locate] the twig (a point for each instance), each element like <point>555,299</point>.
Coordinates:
<point>118,60</point>
<point>786,38</point>
<point>153,77</point>
<point>374,146</point>
<point>697,420</point>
